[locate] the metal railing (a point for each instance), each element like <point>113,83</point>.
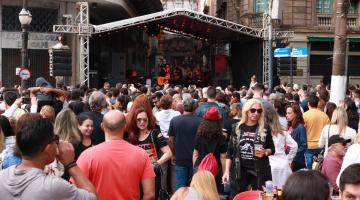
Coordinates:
<point>324,21</point>
<point>352,22</point>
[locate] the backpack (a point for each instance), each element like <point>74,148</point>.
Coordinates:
<point>209,163</point>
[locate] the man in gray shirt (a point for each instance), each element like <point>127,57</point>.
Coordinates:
<point>38,147</point>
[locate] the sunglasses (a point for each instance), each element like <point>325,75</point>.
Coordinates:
<point>253,110</point>
<point>141,119</point>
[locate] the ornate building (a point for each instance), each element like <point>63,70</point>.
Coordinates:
<point>313,22</point>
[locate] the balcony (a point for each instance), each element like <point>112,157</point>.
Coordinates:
<point>324,21</point>
<point>256,20</point>
<point>352,22</point>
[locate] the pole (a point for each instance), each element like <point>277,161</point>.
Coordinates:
<point>338,76</point>
<point>270,64</point>
<point>24,49</point>
<point>347,62</point>
<point>291,71</point>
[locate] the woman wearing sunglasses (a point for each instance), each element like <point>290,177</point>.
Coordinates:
<point>247,163</point>
<point>142,132</point>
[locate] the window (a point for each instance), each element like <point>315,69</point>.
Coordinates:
<point>324,6</point>
<point>261,6</point>
<point>353,7</point>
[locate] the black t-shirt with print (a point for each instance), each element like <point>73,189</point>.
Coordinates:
<point>248,139</point>
<point>148,144</point>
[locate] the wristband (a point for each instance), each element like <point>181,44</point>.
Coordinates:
<point>70,165</point>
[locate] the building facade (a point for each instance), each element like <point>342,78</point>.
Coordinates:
<point>107,54</point>
<point>313,22</point>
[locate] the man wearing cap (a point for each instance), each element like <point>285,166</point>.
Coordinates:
<point>333,160</point>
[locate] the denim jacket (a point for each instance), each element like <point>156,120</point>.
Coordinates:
<point>200,111</point>
<point>299,135</point>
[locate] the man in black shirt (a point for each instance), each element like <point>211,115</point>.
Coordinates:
<point>182,132</point>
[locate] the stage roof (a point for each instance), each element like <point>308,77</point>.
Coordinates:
<point>187,22</point>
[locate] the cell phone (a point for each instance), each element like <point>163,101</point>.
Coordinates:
<point>26,100</point>
<point>148,82</point>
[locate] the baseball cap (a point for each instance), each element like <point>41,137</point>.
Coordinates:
<point>337,139</point>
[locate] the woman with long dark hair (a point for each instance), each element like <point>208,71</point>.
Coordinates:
<point>210,139</point>
<point>298,133</point>
<point>145,135</point>
<point>86,127</point>
<point>248,150</point>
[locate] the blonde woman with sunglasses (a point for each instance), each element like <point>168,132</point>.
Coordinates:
<point>247,163</point>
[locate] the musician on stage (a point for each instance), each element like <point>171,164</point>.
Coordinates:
<point>164,75</point>
<point>176,78</point>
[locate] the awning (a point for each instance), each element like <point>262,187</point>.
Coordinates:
<point>354,40</point>
<point>186,22</point>
<point>320,39</point>
<point>329,39</point>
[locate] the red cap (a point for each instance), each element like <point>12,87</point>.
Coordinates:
<point>212,114</point>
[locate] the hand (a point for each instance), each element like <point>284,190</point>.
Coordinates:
<point>66,152</point>
<point>225,178</point>
<point>173,160</point>
<point>18,101</point>
<point>45,90</point>
<point>260,153</point>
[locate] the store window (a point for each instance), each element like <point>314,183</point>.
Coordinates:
<point>324,6</point>
<point>261,6</point>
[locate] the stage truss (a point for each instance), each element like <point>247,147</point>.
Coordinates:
<point>82,27</point>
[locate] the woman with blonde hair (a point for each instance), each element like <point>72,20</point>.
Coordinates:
<point>48,112</point>
<point>280,162</point>
<point>66,127</point>
<point>249,146</point>
<point>337,126</point>
<point>202,187</point>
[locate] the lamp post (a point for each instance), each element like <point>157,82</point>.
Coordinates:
<point>25,20</point>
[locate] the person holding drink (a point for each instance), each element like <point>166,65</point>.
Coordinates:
<point>247,164</point>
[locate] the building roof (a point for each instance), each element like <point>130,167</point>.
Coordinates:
<point>186,22</point>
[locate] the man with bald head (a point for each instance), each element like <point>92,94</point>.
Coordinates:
<point>115,167</point>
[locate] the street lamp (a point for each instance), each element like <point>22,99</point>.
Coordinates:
<point>25,20</point>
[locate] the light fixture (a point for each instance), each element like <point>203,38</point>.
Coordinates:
<point>25,17</point>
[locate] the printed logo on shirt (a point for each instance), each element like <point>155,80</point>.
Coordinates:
<point>151,150</point>
<point>247,145</point>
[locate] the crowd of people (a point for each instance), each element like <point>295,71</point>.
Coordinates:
<point>123,142</point>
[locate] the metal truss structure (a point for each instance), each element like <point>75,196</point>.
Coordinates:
<point>179,12</point>
<point>81,27</point>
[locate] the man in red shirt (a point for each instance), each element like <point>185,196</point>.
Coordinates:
<point>115,167</point>
<point>333,160</point>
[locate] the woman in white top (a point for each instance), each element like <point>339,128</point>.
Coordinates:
<point>337,126</point>
<point>280,162</point>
